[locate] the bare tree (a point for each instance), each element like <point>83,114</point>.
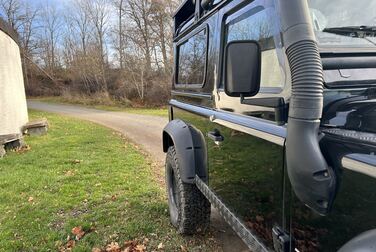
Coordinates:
<point>120,48</point>
<point>51,22</point>
<point>21,16</point>
<point>28,29</point>
<point>119,31</point>
<point>136,73</point>
<point>99,14</point>
<point>79,20</point>
<point>139,12</point>
<point>162,27</point>
<point>29,43</point>
<point>12,11</point>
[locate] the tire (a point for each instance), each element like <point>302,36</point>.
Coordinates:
<point>188,207</point>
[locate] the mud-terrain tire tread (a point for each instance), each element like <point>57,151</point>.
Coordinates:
<point>193,207</point>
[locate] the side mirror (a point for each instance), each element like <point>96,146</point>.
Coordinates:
<point>242,68</point>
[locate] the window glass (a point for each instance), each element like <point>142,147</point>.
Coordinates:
<point>192,60</point>
<point>258,25</point>
<point>344,23</point>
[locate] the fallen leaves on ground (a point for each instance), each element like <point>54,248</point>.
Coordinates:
<point>69,173</point>
<point>133,246</point>
<point>68,246</point>
<point>78,232</point>
<point>23,149</point>
<point>71,244</point>
<point>140,248</point>
<point>76,161</point>
<point>128,246</point>
<point>30,200</point>
<point>113,247</point>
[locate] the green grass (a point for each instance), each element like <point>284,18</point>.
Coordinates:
<point>81,174</point>
<point>114,107</point>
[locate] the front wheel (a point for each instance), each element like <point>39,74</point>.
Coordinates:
<point>188,207</point>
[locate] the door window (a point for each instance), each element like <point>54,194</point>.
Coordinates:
<point>258,24</point>
<point>192,60</point>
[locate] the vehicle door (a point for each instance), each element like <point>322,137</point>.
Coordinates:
<point>245,144</point>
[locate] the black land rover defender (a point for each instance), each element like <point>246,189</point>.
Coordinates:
<point>273,122</point>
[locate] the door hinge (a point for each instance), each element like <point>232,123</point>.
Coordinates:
<point>282,240</point>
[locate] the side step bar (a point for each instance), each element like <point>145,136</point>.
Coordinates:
<point>251,240</point>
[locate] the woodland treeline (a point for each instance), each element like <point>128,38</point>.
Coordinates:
<point>104,50</point>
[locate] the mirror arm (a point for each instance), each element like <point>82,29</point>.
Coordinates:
<point>278,103</point>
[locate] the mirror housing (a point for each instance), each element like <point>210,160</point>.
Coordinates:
<point>242,68</point>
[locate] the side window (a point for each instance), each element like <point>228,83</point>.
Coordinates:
<point>192,60</point>
<point>258,24</point>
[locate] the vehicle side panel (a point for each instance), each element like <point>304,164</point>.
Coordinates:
<point>350,115</point>
<point>245,170</point>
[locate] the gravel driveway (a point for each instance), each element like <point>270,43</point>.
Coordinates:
<point>145,131</point>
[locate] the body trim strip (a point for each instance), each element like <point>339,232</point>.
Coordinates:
<point>254,126</point>
<point>251,240</point>
<point>260,134</point>
<point>362,163</point>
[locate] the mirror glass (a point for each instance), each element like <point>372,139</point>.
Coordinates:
<point>242,68</point>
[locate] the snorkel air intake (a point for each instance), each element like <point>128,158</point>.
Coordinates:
<point>312,180</point>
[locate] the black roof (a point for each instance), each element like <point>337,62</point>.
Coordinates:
<point>6,28</point>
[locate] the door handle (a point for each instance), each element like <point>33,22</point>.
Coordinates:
<point>216,136</point>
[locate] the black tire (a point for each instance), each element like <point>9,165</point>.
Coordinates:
<point>188,207</point>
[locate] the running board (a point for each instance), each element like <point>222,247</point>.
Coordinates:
<point>251,240</point>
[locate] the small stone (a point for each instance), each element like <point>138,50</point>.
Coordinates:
<point>41,131</point>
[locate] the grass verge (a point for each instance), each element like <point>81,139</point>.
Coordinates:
<point>82,179</point>
<point>114,107</point>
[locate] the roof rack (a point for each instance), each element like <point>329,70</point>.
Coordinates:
<point>185,12</point>
<point>192,9</point>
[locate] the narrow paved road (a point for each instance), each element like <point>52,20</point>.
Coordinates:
<point>145,131</point>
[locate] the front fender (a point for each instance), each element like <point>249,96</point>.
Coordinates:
<point>190,149</point>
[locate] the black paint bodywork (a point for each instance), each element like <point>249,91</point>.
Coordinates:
<point>247,169</point>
